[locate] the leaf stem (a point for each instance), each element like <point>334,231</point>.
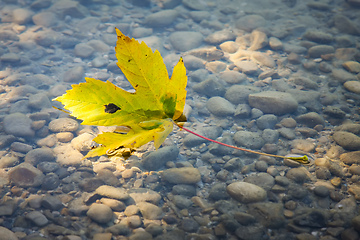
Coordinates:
<point>302,159</point>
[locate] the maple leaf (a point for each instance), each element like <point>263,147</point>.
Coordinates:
<point>148,112</point>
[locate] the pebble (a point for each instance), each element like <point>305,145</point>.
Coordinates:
<point>266,121</point>
<point>207,53</point>
<point>258,40</point>
<point>82,142</point>
<point>319,50</point>
<point>303,145</point>
<point>144,195</point>
<point>350,157</point>
<point>100,213</point>
<point>318,36</point>
<point>298,175</point>
<point>216,66</point>
<point>246,192</point>
<point>352,66</point>
<point>185,40</point>
<point>162,18</point>
<point>50,182</point>
<point>212,132</point>
<point>83,50</point>
<point>210,87</point>
<point>7,234</point>
<point>310,119</point>
<point>18,124</point>
<point>251,140</point>
<point>247,67</point>
<point>277,103</point>
<point>140,32</point>
<point>157,159</point>
<point>26,175</point>
<point>250,22</point>
<point>185,175</point>
<point>70,8</point>
<point>112,192</point>
<point>270,215</point>
<point>264,60</point>
<point>115,205</point>
<point>229,46</point>
<point>150,211</point>
<point>37,218</point>
<point>219,37</point>
<point>38,155</point>
<point>263,180</point>
<point>63,125</point>
<point>345,25</point>
<point>21,15</point>
<point>64,137</point>
<point>347,140</point>
<point>193,63</point>
<point>74,75</point>
<point>238,94</point>
<point>352,86</point>
<point>51,202</point>
<point>220,106</point>
<point>45,19</point>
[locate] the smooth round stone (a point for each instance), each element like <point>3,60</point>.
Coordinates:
<point>250,22</point>
<point>347,140</point>
<point>275,44</point>
<point>26,175</point>
<point>64,136</point>
<point>161,19</point>
<point>82,142</point>
<point>18,124</point>
<point>83,50</point>
<point>22,15</point>
<point>45,19</point>
<point>352,66</point>
<point>277,103</point>
<point>157,159</point>
<point>345,25</point>
<point>237,94</point>
<point>38,155</point>
<point>246,192</point>
<point>318,50</point>
<point>218,37</point>
<point>99,62</point>
<point>350,157</point>
<point>112,192</point>
<point>100,213</point>
<point>220,107</point>
<point>6,234</point>
<point>318,36</point>
<point>150,211</point>
<point>352,86</point>
<point>298,175</point>
<point>247,67</point>
<point>63,125</point>
<point>74,74</point>
<point>185,40</point>
<point>263,180</point>
<point>51,202</point>
<point>233,77</point>
<point>185,175</point>
<point>210,87</point>
<point>37,218</point>
<point>303,145</point>
<point>266,121</point>
<point>251,140</point>
<point>115,205</point>
<point>50,182</point>
<point>10,57</point>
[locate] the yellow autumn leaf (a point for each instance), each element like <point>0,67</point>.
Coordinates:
<point>147,111</point>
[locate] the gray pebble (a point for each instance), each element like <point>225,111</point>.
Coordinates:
<point>220,107</point>
<point>318,36</point>
<point>345,25</point>
<point>318,50</point>
<point>218,192</point>
<point>161,19</point>
<point>277,103</point>
<point>7,234</point>
<point>232,77</point>
<point>185,40</point>
<point>157,159</point>
<point>47,167</point>
<point>51,202</point>
<point>83,50</point>
<point>20,147</point>
<point>219,37</point>
<point>266,121</point>
<point>184,189</point>
<point>141,32</point>
<point>347,140</point>
<point>39,155</point>
<point>212,132</point>
<point>297,175</point>
<point>18,124</point>
<point>246,192</point>
<point>45,38</point>
<point>194,63</point>
<point>100,213</point>
<point>50,182</point>
<point>21,15</point>
<point>247,67</point>
<point>189,225</point>
<point>251,140</point>
<point>242,111</point>
<point>75,74</point>
<point>270,215</point>
<point>150,211</point>
<point>207,53</point>
<point>210,87</point>
<point>310,119</point>
<point>321,191</point>
<point>112,192</point>
<point>185,175</point>
<point>37,218</point>
<point>250,22</point>
<point>237,94</point>
<point>69,8</point>
<point>270,135</point>
<point>45,19</point>
<point>63,125</point>
<point>182,202</point>
<point>263,180</point>
<point>198,16</point>
<point>145,194</point>
<point>99,62</point>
